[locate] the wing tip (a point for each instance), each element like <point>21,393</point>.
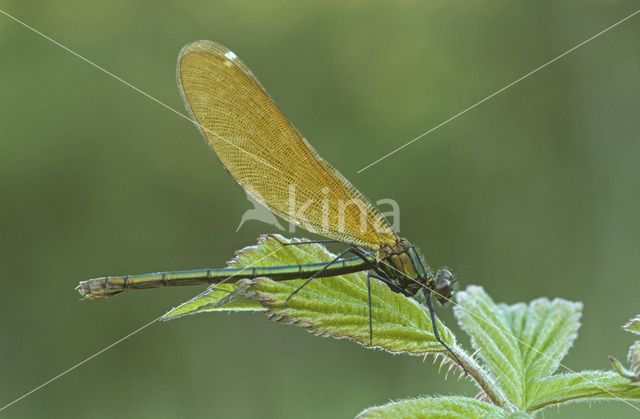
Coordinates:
<point>204,45</point>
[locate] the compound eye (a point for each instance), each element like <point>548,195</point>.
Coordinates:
<point>444,286</point>
<point>444,274</point>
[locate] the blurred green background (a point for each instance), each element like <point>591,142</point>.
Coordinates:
<point>533,193</point>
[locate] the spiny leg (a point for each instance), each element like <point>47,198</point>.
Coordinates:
<point>375,275</point>
<point>369,275</point>
<point>432,314</point>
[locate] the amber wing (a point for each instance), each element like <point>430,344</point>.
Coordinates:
<point>266,154</point>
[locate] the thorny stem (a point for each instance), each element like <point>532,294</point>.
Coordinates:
<point>484,380</point>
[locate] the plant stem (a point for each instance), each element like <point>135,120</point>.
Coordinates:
<point>483,379</point>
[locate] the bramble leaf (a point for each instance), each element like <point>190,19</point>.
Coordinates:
<point>585,385</point>
<point>633,325</point>
<point>339,306</point>
<point>521,344</point>
<point>549,329</point>
<point>445,407</point>
<point>223,297</point>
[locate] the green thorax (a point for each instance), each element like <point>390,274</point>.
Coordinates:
<point>402,264</point>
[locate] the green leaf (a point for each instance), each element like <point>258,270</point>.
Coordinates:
<point>585,385</point>
<point>521,344</point>
<point>223,297</point>
<point>336,306</point>
<point>450,407</point>
<point>549,330</point>
<point>339,307</point>
<point>633,325</point>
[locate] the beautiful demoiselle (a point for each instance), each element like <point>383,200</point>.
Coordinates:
<point>273,162</point>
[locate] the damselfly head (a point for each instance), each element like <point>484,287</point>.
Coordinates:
<point>443,288</point>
